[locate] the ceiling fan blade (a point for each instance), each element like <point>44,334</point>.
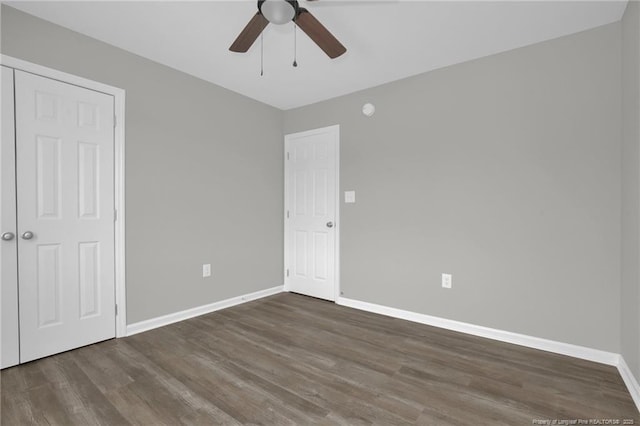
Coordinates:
<point>319,34</point>
<point>249,34</point>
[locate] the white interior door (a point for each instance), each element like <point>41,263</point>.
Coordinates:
<point>65,191</point>
<point>9,352</point>
<point>311,227</point>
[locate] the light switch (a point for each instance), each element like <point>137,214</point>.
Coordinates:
<point>349,196</point>
<point>206,270</point>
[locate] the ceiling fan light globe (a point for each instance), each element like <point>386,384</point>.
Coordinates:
<point>277,11</point>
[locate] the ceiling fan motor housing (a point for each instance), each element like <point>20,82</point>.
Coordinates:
<point>283,11</point>
<point>278,11</point>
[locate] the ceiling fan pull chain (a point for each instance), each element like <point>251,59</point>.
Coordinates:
<point>295,44</point>
<point>261,54</point>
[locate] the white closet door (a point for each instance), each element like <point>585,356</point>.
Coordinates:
<point>64,160</point>
<point>9,353</point>
<point>310,242</point>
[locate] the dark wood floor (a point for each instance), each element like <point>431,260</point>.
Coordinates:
<point>290,359</point>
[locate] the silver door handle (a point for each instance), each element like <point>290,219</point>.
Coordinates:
<point>329,224</point>
<point>8,236</point>
<point>27,235</point>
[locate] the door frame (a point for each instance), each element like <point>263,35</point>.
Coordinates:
<point>287,205</point>
<point>119,171</point>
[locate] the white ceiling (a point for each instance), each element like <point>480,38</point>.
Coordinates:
<point>386,40</point>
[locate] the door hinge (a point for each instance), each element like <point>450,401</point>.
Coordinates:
<point>115,215</point>
<point>287,214</point>
<point>288,156</point>
<point>115,121</point>
<point>116,309</point>
<point>287,272</point>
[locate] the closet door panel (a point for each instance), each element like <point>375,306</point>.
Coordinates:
<point>9,352</point>
<point>65,168</point>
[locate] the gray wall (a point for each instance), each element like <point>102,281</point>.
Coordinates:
<point>505,172</point>
<point>204,172</point>
<point>631,187</point>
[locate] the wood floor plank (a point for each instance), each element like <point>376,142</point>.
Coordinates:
<point>104,372</point>
<point>84,402</point>
<point>317,385</point>
<point>291,359</point>
<point>17,409</point>
<point>161,390</point>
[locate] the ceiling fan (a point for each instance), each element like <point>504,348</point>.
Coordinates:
<point>280,12</point>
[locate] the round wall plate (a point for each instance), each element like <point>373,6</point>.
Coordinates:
<point>368,109</point>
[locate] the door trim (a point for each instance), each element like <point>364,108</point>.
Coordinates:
<point>119,171</point>
<point>338,224</point>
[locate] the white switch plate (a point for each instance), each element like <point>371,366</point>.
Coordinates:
<point>446,280</point>
<point>349,196</point>
<point>206,270</point>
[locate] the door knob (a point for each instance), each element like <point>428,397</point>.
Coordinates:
<point>27,235</point>
<point>8,236</point>
<point>329,224</point>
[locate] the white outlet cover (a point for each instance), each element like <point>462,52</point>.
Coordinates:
<point>447,280</point>
<point>349,197</point>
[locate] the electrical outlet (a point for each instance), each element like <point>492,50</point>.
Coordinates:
<point>446,280</point>
<point>206,270</point>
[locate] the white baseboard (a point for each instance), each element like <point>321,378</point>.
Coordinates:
<point>582,352</point>
<point>576,351</point>
<point>590,354</point>
<point>630,381</point>
<point>152,323</point>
